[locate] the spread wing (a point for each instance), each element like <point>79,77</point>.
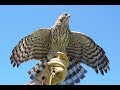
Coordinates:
<point>84,50</point>
<point>34,46</point>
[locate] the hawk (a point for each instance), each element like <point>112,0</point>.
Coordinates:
<point>44,44</point>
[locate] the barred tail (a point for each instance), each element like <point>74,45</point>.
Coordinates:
<point>75,73</point>
<point>36,69</point>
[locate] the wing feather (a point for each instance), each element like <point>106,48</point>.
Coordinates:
<point>34,46</point>
<point>85,50</point>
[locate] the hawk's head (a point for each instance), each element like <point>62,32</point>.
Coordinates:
<point>63,19</point>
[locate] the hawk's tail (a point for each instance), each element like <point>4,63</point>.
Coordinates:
<point>36,69</point>
<point>75,73</point>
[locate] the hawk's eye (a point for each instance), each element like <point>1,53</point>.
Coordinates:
<point>66,14</point>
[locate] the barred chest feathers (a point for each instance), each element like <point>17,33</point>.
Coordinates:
<point>60,36</point>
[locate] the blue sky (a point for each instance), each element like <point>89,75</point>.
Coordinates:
<point>100,22</point>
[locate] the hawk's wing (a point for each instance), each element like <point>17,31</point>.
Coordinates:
<point>34,46</point>
<point>84,50</point>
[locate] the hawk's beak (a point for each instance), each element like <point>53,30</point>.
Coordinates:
<point>69,15</point>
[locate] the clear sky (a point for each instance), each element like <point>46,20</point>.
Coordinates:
<point>100,22</point>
